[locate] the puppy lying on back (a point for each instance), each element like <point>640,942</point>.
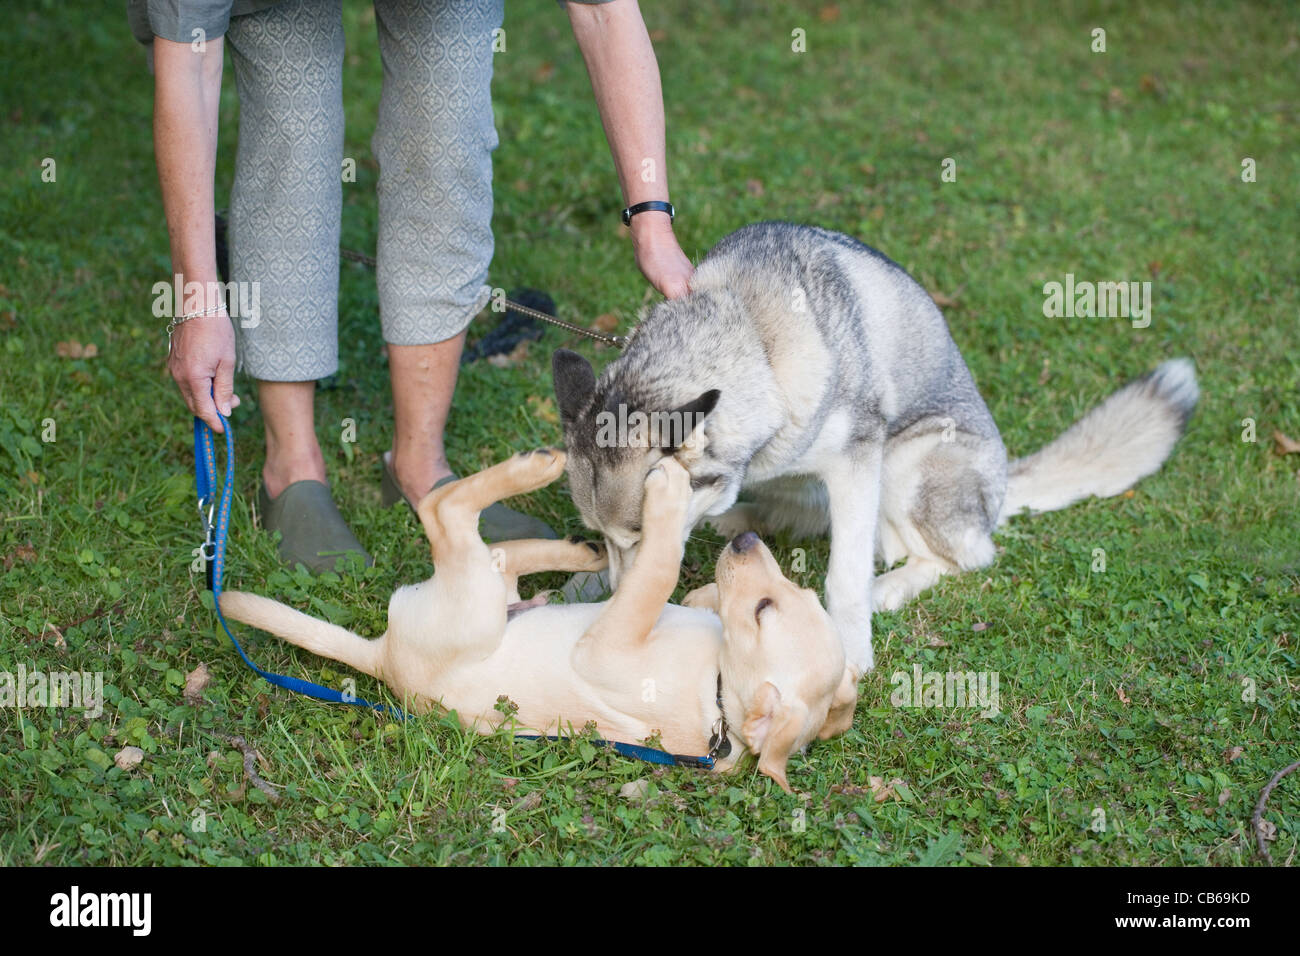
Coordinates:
<point>635,665</point>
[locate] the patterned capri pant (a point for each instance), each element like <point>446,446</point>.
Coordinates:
<point>433,140</point>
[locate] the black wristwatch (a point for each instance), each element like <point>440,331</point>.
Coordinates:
<point>657,205</point>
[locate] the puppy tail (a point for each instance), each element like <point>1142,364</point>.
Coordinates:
<point>319,637</point>
<point>1125,438</point>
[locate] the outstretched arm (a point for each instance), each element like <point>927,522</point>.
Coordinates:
<point>187,88</point>
<point>625,79</point>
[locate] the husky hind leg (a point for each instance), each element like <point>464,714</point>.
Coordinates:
<point>944,495</point>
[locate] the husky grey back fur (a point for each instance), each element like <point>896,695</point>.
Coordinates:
<point>815,373</point>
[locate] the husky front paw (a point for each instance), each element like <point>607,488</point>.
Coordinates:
<point>737,519</point>
<point>854,626</point>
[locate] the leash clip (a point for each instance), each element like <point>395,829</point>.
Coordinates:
<point>207,519</point>
<point>719,743</point>
<point>208,550</point>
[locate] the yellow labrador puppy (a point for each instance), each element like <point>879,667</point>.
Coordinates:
<point>635,665</point>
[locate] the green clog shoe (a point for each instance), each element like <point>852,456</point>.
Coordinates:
<point>586,587</point>
<point>312,532</point>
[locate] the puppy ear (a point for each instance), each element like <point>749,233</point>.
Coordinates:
<point>772,729</point>
<point>758,720</point>
<point>840,716</point>
<point>683,433</point>
<point>575,382</point>
<point>705,597</point>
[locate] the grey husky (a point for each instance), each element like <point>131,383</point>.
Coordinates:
<point>813,372</point>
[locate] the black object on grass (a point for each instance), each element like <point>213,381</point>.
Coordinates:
<point>514,327</point>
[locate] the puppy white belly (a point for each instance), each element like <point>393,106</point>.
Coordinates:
<point>533,668</point>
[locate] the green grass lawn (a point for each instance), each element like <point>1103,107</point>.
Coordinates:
<point>1142,707</point>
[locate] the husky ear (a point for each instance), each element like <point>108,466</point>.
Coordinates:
<point>685,425</point>
<point>575,381</point>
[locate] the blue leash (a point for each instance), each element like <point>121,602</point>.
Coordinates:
<point>214,554</point>
<point>638,752</point>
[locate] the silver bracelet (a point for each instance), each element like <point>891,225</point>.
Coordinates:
<point>171,326</point>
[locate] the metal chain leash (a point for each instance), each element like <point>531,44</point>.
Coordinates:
<point>618,341</point>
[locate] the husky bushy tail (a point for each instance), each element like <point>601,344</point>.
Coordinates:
<point>1124,439</point>
<point>319,637</point>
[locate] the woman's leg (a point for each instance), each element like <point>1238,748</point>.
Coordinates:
<point>424,377</point>
<point>284,235</point>
<point>284,217</point>
<point>434,142</point>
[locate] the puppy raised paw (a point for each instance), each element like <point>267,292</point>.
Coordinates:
<point>667,492</point>
<point>538,467</point>
<point>593,551</point>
